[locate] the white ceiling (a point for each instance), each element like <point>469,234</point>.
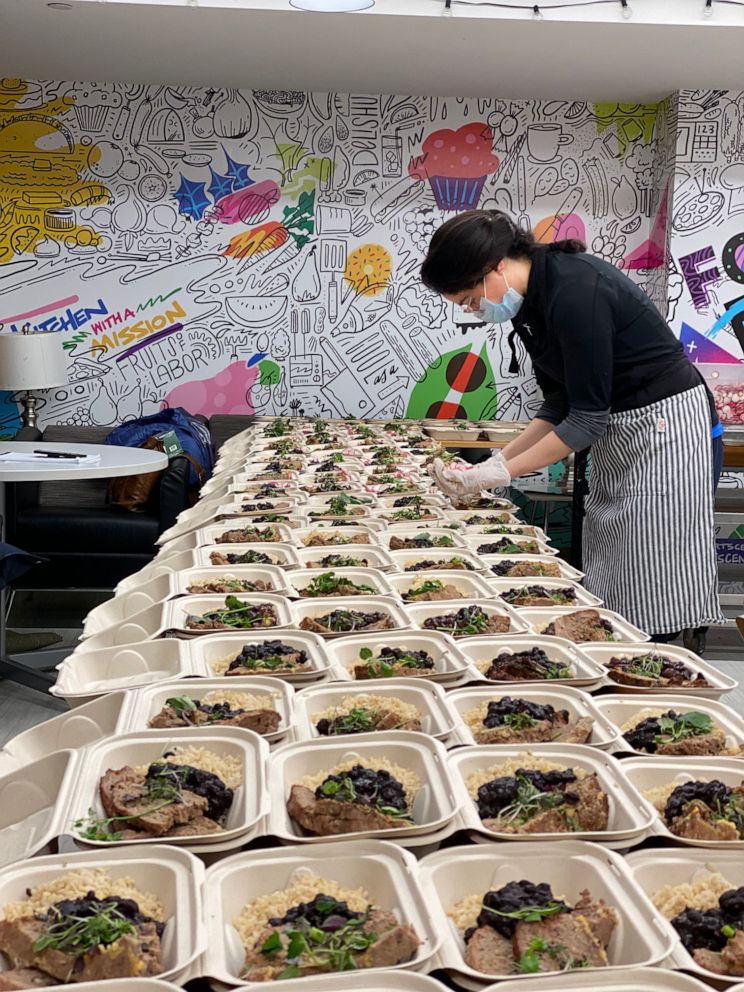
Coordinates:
<point>400,46</point>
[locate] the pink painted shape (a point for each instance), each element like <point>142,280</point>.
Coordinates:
<point>47,308</point>
<point>229,391</point>
<point>570,226</point>
<point>652,253</point>
<point>249,205</point>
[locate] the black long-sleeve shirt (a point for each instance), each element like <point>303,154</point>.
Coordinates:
<point>598,345</point>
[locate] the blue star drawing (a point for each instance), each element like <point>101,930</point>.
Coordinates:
<point>220,185</point>
<point>192,199</point>
<point>238,172</point>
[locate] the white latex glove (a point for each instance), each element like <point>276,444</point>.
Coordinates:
<point>460,482</point>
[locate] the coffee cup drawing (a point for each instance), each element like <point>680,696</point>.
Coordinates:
<point>544,140</point>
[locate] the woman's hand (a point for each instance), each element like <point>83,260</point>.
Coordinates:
<point>460,482</point>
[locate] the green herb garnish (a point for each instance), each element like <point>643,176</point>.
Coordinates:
<point>691,724</point>
<point>79,934</point>
<point>431,585</point>
<point>328,584</point>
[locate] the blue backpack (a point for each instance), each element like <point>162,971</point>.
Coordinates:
<point>192,434</point>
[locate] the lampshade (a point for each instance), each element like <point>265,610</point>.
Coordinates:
<point>31,361</point>
<point>332,6</point>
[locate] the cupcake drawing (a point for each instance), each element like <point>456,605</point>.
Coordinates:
<point>456,164</point>
<point>92,105</point>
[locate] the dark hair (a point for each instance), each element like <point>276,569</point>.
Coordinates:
<point>467,247</point>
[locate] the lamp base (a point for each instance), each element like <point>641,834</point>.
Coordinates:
<point>28,416</point>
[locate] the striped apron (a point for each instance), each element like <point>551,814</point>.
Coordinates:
<point>649,539</point>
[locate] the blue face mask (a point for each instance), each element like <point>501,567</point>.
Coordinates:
<point>499,313</point>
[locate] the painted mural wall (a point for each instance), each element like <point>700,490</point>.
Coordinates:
<point>706,269</point>
<point>259,251</point>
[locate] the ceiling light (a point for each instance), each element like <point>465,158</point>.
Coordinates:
<point>59,6</point>
<point>332,6</point>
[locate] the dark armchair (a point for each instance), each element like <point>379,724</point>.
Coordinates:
<point>89,543</point>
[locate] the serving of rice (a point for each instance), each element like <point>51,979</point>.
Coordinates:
<point>507,768</point>
<point>76,885</point>
<point>240,700</point>
<point>368,701</point>
<point>464,913</point>
<point>474,718</point>
<point>659,794</point>
<point>253,917</point>
<point>224,766</point>
<point>645,714</point>
<point>702,893</point>
<point>220,665</point>
<point>408,779</point>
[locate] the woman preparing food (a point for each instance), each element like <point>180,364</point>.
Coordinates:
<point>613,376</point>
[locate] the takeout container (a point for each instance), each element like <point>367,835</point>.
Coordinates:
<point>385,871</point>
<point>311,608</point>
<point>420,612</point>
<point>300,579</point>
<point>539,617</point>
<point>476,540</point>
<point>281,555</point>
<point>720,682</point>
<point>655,869</point>
<point>367,533</point>
<point>144,704</point>
<point>468,584</point>
<point>208,652</point>
<point>620,708</point>
<point>91,672</point>
<point>568,867</point>
<point>77,727</point>
<point>579,704</point>
<point>355,981</point>
<point>408,531</point>
<point>172,874</point>
<point>567,571</point>
<point>652,772</point>
<point>159,565</point>
<point>450,667</point>
<point>485,647</point>
<point>428,698</point>
<point>434,806</point>
<point>430,499</point>
<point>619,980</point>
<point>494,517</point>
<point>212,533</point>
<point>172,584</point>
<point>375,557</point>
<point>412,556</point>
<point>583,598</point>
<point>511,529</point>
<point>121,985</point>
<point>630,816</point>
<point>250,800</point>
<point>222,508</point>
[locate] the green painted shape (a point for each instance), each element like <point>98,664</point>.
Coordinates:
<point>480,404</point>
<point>630,126</point>
<point>269,373</point>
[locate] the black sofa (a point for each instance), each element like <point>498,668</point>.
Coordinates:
<point>89,543</point>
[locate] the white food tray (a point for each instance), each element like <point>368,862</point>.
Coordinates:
<point>172,874</point>
<point>428,698</point>
<point>396,530</point>
<point>583,598</point>
<point>484,648</point>
<point>539,618</point>
<point>212,533</point>
<point>91,672</point>
<point>375,557</point>
<point>470,585</point>
<point>490,517</point>
<point>205,652</point>
<point>567,571</point>
<point>304,608</point>
<point>420,612</point>
<point>379,583</point>
<point>579,704</point>
<point>651,773</point>
<point>281,555</point>
<point>356,981</point>
<point>412,556</point>
<point>160,564</point>
<point>630,816</point>
<point>654,869</point>
<point>367,533</point>
<point>450,667</point>
<point>720,682</point>
<point>144,704</point>
<point>568,867</point>
<point>434,808</point>
<point>475,541</point>
<point>384,870</point>
<point>621,708</point>
<point>619,980</point>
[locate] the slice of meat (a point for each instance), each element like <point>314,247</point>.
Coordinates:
<point>133,955</point>
<point>124,793</point>
<point>388,720</point>
<point>385,623</point>
<point>550,821</point>
<point>445,593</point>
<point>525,569</point>
<point>490,953</point>
<point>263,721</point>
<point>602,919</point>
<point>697,823</point>
<point>198,826</point>
<point>580,627</point>
<point>593,808</point>
<point>710,960</point>
<point>568,940</point>
<point>326,817</point>
<point>24,978</point>
<point>712,743</point>
<point>362,672</point>
<point>578,732</point>
<point>732,955</point>
<point>396,943</point>
<point>540,731</point>
<point>217,558</point>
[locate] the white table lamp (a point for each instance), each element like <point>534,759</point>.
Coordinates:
<point>31,361</point>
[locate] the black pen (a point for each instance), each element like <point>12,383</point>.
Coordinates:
<point>58,454</point>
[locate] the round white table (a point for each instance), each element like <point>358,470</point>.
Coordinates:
<point>114,461</point>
